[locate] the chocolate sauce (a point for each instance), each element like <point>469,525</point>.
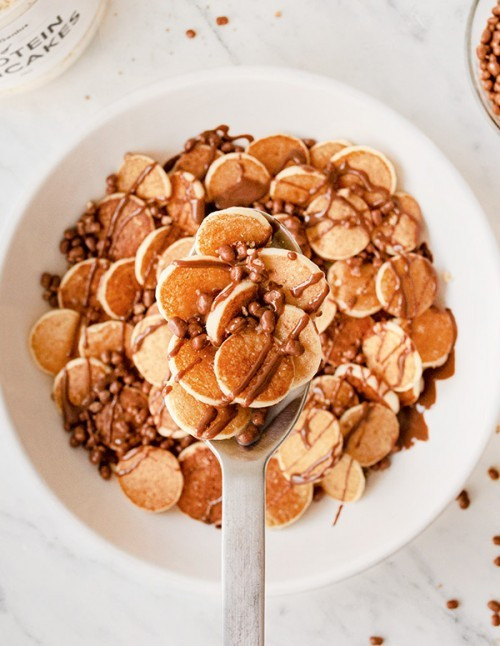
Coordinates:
<point>88,283</point>
<point>412,426</point>
<point>411,418</point>
<point>215,421</point>
<point>140,338</point>
<point>225,293</point>
<point>201,263</point>
<point>315,303</point>
<point>244,192</point>
<point>337,515</point>
<point>182,373</point>
<point>172,235</point>
<point>309,475</point>
<point>299,289</point>
<point>110,231</point>
<point>70,411</point>
<point>144,452</point>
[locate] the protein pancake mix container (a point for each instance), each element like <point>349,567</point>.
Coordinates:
<point>39,39</point>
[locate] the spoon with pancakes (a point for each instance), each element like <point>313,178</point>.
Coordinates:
<point>243,349</point>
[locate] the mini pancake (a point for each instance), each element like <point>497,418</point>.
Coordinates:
<point>75,381</point>
<point>297,229</point>
<point>176,251</point>
<point>323,151</point>
<point>326,314</point>
<point>119,290</point>
<point>391,354</point>
<point>143,176</point>
<point>411,395</point>
<point>226,307</point>
<point>304,284</point>
<point>150,251</point>
<point>149,344</point>
<point>334,394</point>
<point>285,502</point>
<point>151,478</point>
<point>123,414</point>
<point>406,285</point>
<point>151,311</point>
<point>197,160</point>
<point>370,432</point>
<point>202,493</point>
<point>236,179</point>
<point>110,336</point>
<point>53,339</point>
<point>125,222</point>
<point>342,340</point>
<point>353,287</point>
<point>277,152</point>
<point>345,481</point>
<point>231,226</point>
<point>400,228</point>
<point>372,163</point>
<point>307,364</point>
<point>161,417</point>
<point>313,447</point>
<point>251,370</point>
<point>186,205</point>
<point>194,370</point>
<point>339,224</point>
<point>202,420</point>
<point>433,334</point>
<point>176,292</point>
<point>368,384</point>
<point>79,286</point>
<point>297,184</point>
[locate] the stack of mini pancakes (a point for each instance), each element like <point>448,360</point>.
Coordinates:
<point>243,337</point>
<point>380,326</point>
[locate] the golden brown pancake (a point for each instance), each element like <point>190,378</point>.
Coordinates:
<point>144,176</point>
<point>285,502</point>
<point>277,152</point>
<point>125,222</point>
<point>151,478</point>
<point>370,432</point>
<point>53,339</point>
<point>202,494</point>
<point>406,285</point>
<point>251,371</point>
<point>79,286</point>
<point>236,179</point>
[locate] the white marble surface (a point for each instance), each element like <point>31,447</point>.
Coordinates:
<point>59,587</point>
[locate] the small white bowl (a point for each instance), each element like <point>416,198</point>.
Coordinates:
<point>398,503</point>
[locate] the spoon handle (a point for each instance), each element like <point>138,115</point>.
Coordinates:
<point>243,520</point>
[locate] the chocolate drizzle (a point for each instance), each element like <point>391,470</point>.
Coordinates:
<point>244,192</point>
<point>110,234</point>
<point>139,452</point>
<point>201,263</point>
<point>141,337</point>
<point>299,289</point>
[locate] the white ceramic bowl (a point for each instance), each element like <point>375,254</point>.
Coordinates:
<point>399,502</point>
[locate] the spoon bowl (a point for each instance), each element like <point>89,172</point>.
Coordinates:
<point>243,505</point>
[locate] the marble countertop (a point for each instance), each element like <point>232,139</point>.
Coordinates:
<point>57,588</point>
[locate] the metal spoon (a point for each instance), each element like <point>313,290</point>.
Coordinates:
<point>243,503</point>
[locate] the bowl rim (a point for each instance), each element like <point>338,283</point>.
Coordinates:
<point>471,64</point>
<point>133,99</point>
